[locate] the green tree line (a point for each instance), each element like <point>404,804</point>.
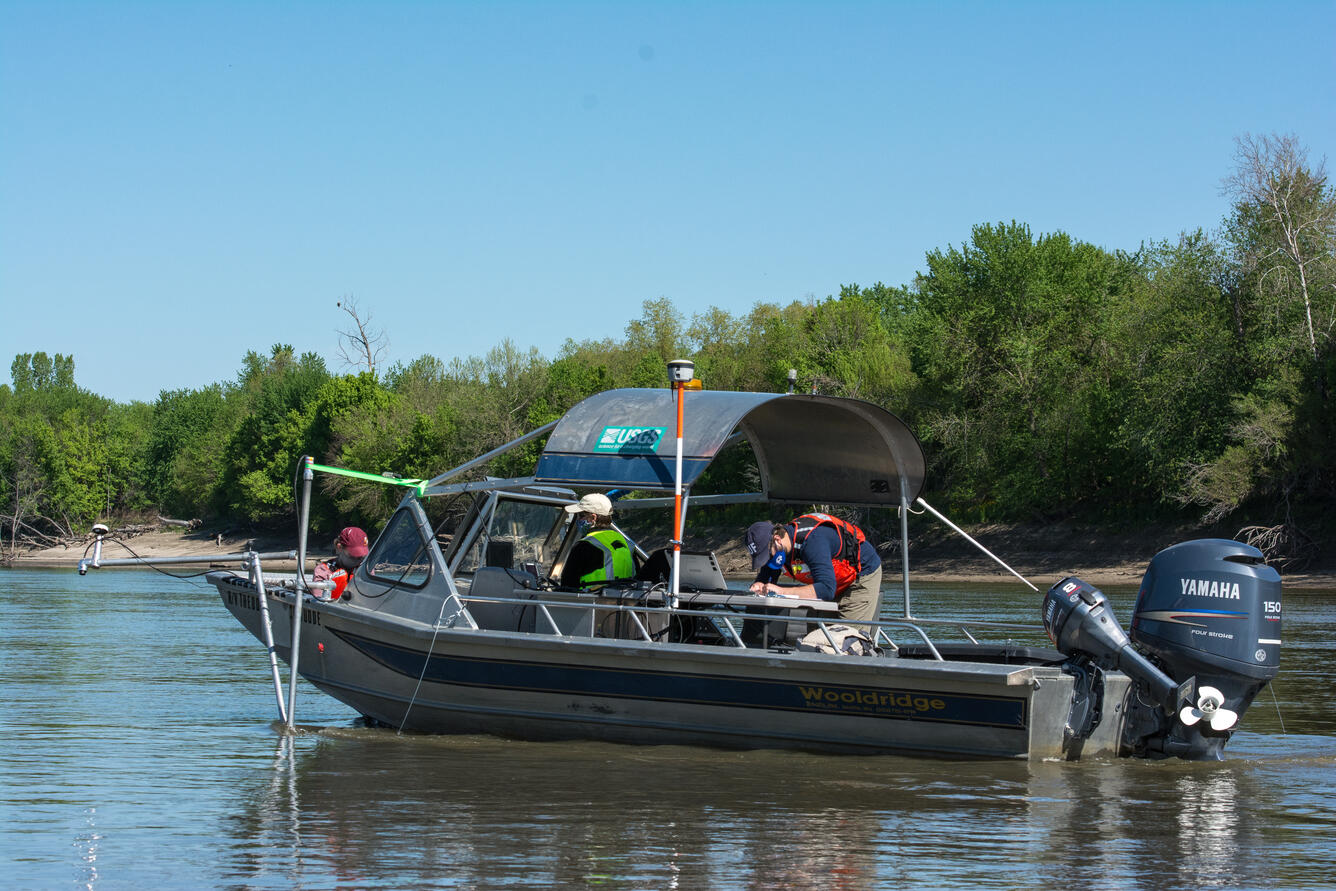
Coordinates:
<point>1047,378</point>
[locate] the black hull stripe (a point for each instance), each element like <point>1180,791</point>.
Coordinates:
<point>530,676</point>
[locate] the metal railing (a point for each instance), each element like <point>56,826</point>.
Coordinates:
<point>725,621</point>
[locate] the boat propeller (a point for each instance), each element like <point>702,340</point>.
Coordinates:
<point>1209,708</point>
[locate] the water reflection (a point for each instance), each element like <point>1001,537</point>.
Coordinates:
<point>1149,825</point>
<point>363,805</point>
<point>87,843</point>
<point>139,752</point>
<point>477,811</point>
<point>1208,823</point>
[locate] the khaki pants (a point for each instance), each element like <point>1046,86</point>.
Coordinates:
<point>862,602</point>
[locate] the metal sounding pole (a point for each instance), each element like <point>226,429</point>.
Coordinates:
<point>303,519</point>
<point>904,543</point>
<point>257,578</point>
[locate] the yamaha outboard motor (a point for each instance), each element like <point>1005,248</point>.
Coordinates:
<point>1211,608</point>
<point>1206,630</point>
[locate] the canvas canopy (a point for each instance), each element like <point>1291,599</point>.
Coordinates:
<point>809,448</point>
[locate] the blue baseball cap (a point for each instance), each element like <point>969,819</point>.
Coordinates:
<point>758,543</point>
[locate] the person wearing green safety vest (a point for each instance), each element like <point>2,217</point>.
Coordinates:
<point>603,555</point>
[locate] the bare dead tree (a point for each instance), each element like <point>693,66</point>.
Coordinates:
<point>28,486</point>
<point>360,346</point>
<point>1272,174</point>
<point>1284,546</point>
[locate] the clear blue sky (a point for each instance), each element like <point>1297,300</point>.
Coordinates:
<point>181,182</point>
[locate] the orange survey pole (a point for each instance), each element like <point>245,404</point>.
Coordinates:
<point>677,497</point>
<point>680,372</point>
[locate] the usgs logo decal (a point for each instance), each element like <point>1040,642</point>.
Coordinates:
<point>633,440</point>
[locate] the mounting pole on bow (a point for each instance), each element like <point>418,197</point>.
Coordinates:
<point>304,522</point>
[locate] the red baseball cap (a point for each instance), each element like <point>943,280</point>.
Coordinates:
<point>354,541</point>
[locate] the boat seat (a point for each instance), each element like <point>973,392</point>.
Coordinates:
<point>499,582</point>
<point>520,587</point>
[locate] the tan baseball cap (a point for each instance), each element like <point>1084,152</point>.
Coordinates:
<point>593,503</point>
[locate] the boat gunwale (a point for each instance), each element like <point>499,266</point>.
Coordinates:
<point>351,614</point>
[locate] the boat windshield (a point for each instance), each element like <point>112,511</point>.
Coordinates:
<point>520,532</point>
<point>400,556</point>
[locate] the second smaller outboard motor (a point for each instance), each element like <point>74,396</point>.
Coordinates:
<point>1079,621</point>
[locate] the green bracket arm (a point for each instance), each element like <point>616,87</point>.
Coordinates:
<point>420,486</point>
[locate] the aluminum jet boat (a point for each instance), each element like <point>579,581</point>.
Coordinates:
<point>457,620</point>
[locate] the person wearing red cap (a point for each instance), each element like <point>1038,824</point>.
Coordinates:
<point>349,550</point>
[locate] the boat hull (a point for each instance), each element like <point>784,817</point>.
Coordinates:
<point>412,676</point>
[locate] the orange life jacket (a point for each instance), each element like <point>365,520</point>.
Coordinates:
<point>846,561</point>
<point>340,579</point>
<point>330,570</point>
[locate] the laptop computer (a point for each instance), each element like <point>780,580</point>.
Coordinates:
<point>700,572</point>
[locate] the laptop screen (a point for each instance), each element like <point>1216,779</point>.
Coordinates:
<point>700,572</point>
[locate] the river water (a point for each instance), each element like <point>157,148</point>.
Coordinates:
<point>140,752</point>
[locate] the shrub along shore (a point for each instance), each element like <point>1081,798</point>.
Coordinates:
<point>1188,382</point>
<point>1121,562</point>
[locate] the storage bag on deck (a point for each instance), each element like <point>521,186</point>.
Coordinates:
<point>848,642</point>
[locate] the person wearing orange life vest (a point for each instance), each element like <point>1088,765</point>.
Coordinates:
<point>830,558</point>
<point>349,549</point>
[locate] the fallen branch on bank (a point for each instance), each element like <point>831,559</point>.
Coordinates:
<point>29,535</point>
<point>1285,546</point>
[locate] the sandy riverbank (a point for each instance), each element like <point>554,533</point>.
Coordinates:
<point>1097,559</point>
<point>170,543</point>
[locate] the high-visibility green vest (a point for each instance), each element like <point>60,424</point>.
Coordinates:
<point>618,562</point>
